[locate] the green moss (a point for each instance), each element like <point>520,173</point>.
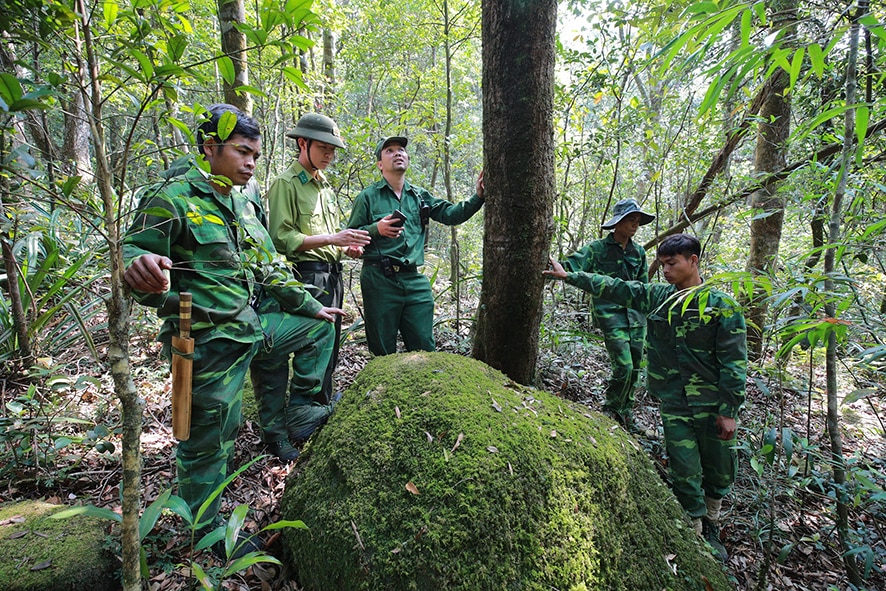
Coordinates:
<point>69,554</point>
<point>517,489</point>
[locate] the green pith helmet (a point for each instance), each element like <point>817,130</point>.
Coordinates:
<point>314,126</point>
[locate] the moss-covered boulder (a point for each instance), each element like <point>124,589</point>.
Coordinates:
<point>42,554</point>
<point>438,473</point>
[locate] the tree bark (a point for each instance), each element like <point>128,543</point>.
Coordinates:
<point>830,261</point>
<point>518,135</point>
<point>233,44</point>
<point>768,206</point>
<point>118,316</point>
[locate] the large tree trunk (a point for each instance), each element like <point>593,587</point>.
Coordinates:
<point>768,206</point>
<point>518,84</point>
<point>233,43</point>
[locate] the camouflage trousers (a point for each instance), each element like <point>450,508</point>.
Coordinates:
<point>219,372</point>
<point>328,289</point>
<point>625,348</point>
<point>700,463</point>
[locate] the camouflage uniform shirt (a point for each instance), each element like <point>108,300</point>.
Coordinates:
<point>607,257</point>
<point>699,355</point>
<point>220,252</point>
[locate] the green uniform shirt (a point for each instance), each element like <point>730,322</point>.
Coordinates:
<point>378,200</point>
<point>221,253</point>
<point>703,355</point>
<point>299,205</point>
<point>607,257</point>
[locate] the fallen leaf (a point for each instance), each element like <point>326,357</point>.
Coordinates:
<point>18,534</point>
<point>457,442</point>
<point>11,520</point>
<point>553,433</point>
<point>430,437</point>
<point>492,449</point>
<point>510,469</point>
<point>496,405</point>
<point>395,551</point>
<point>672,566</point>
<point>412,488</point>
<point>397,411</point>
<point>42,565</point>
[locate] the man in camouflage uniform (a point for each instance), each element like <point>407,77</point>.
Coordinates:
<point>623,328</point>
<point>208,234</point>
<point>305,224</point>
<point>697,369</point>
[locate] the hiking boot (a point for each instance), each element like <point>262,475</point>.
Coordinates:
<point>710,532</point>
<point>283,450</point>
<point>304,419</point>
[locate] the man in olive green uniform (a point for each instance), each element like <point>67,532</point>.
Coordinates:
<point>623,328</point>
<point>304,221</point>
<point>209,236</point>
<point>397,297</point>
<point>697,369</point>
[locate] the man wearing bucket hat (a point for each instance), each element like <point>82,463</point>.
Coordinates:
<point>304,222</point>
<point>397,297</point>
<point>624,329</point>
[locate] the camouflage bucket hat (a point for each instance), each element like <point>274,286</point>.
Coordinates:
<point>385,141</point>
<point>625,207</point>
<point>314,126</point>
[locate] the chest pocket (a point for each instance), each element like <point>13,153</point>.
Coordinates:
<point>212,249</point>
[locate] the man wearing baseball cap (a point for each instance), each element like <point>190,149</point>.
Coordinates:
<point>397,297</point>
<point>624,329</point>
<point>304,222</point>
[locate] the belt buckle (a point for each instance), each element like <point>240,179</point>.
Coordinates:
<point>396,268</point>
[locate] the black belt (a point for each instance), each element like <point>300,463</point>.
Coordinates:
<point>397,267</point>
<point>318,267</point>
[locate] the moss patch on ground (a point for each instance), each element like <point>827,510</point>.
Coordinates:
<point>42,554</point>
<point>437,472</point>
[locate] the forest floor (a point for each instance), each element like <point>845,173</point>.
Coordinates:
<point>787,498</point>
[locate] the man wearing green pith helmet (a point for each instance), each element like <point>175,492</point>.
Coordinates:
<point>397,297</point>
<point>305,223</point>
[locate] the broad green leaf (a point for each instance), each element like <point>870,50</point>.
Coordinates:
<point>147,68</point>
<point>10,88</point>
<point>796,66</point>
<point>205,580</point>
<point>152,513</point>
<point>297,524</point>
<point>226,69</point>
<point>787,443</point>
<point>157,212</point>
<point>857,395</point>
<point>226,124</point>
<point>816,58</point>
<point>295,76</point>
<point>861,123</point>
<point>245,562</point>
<point>746,28</point>
<point>109,11</point>
<point>26,105</point>
<point>809,126</point>
<point>89,511</point>
<point>702,8</point>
